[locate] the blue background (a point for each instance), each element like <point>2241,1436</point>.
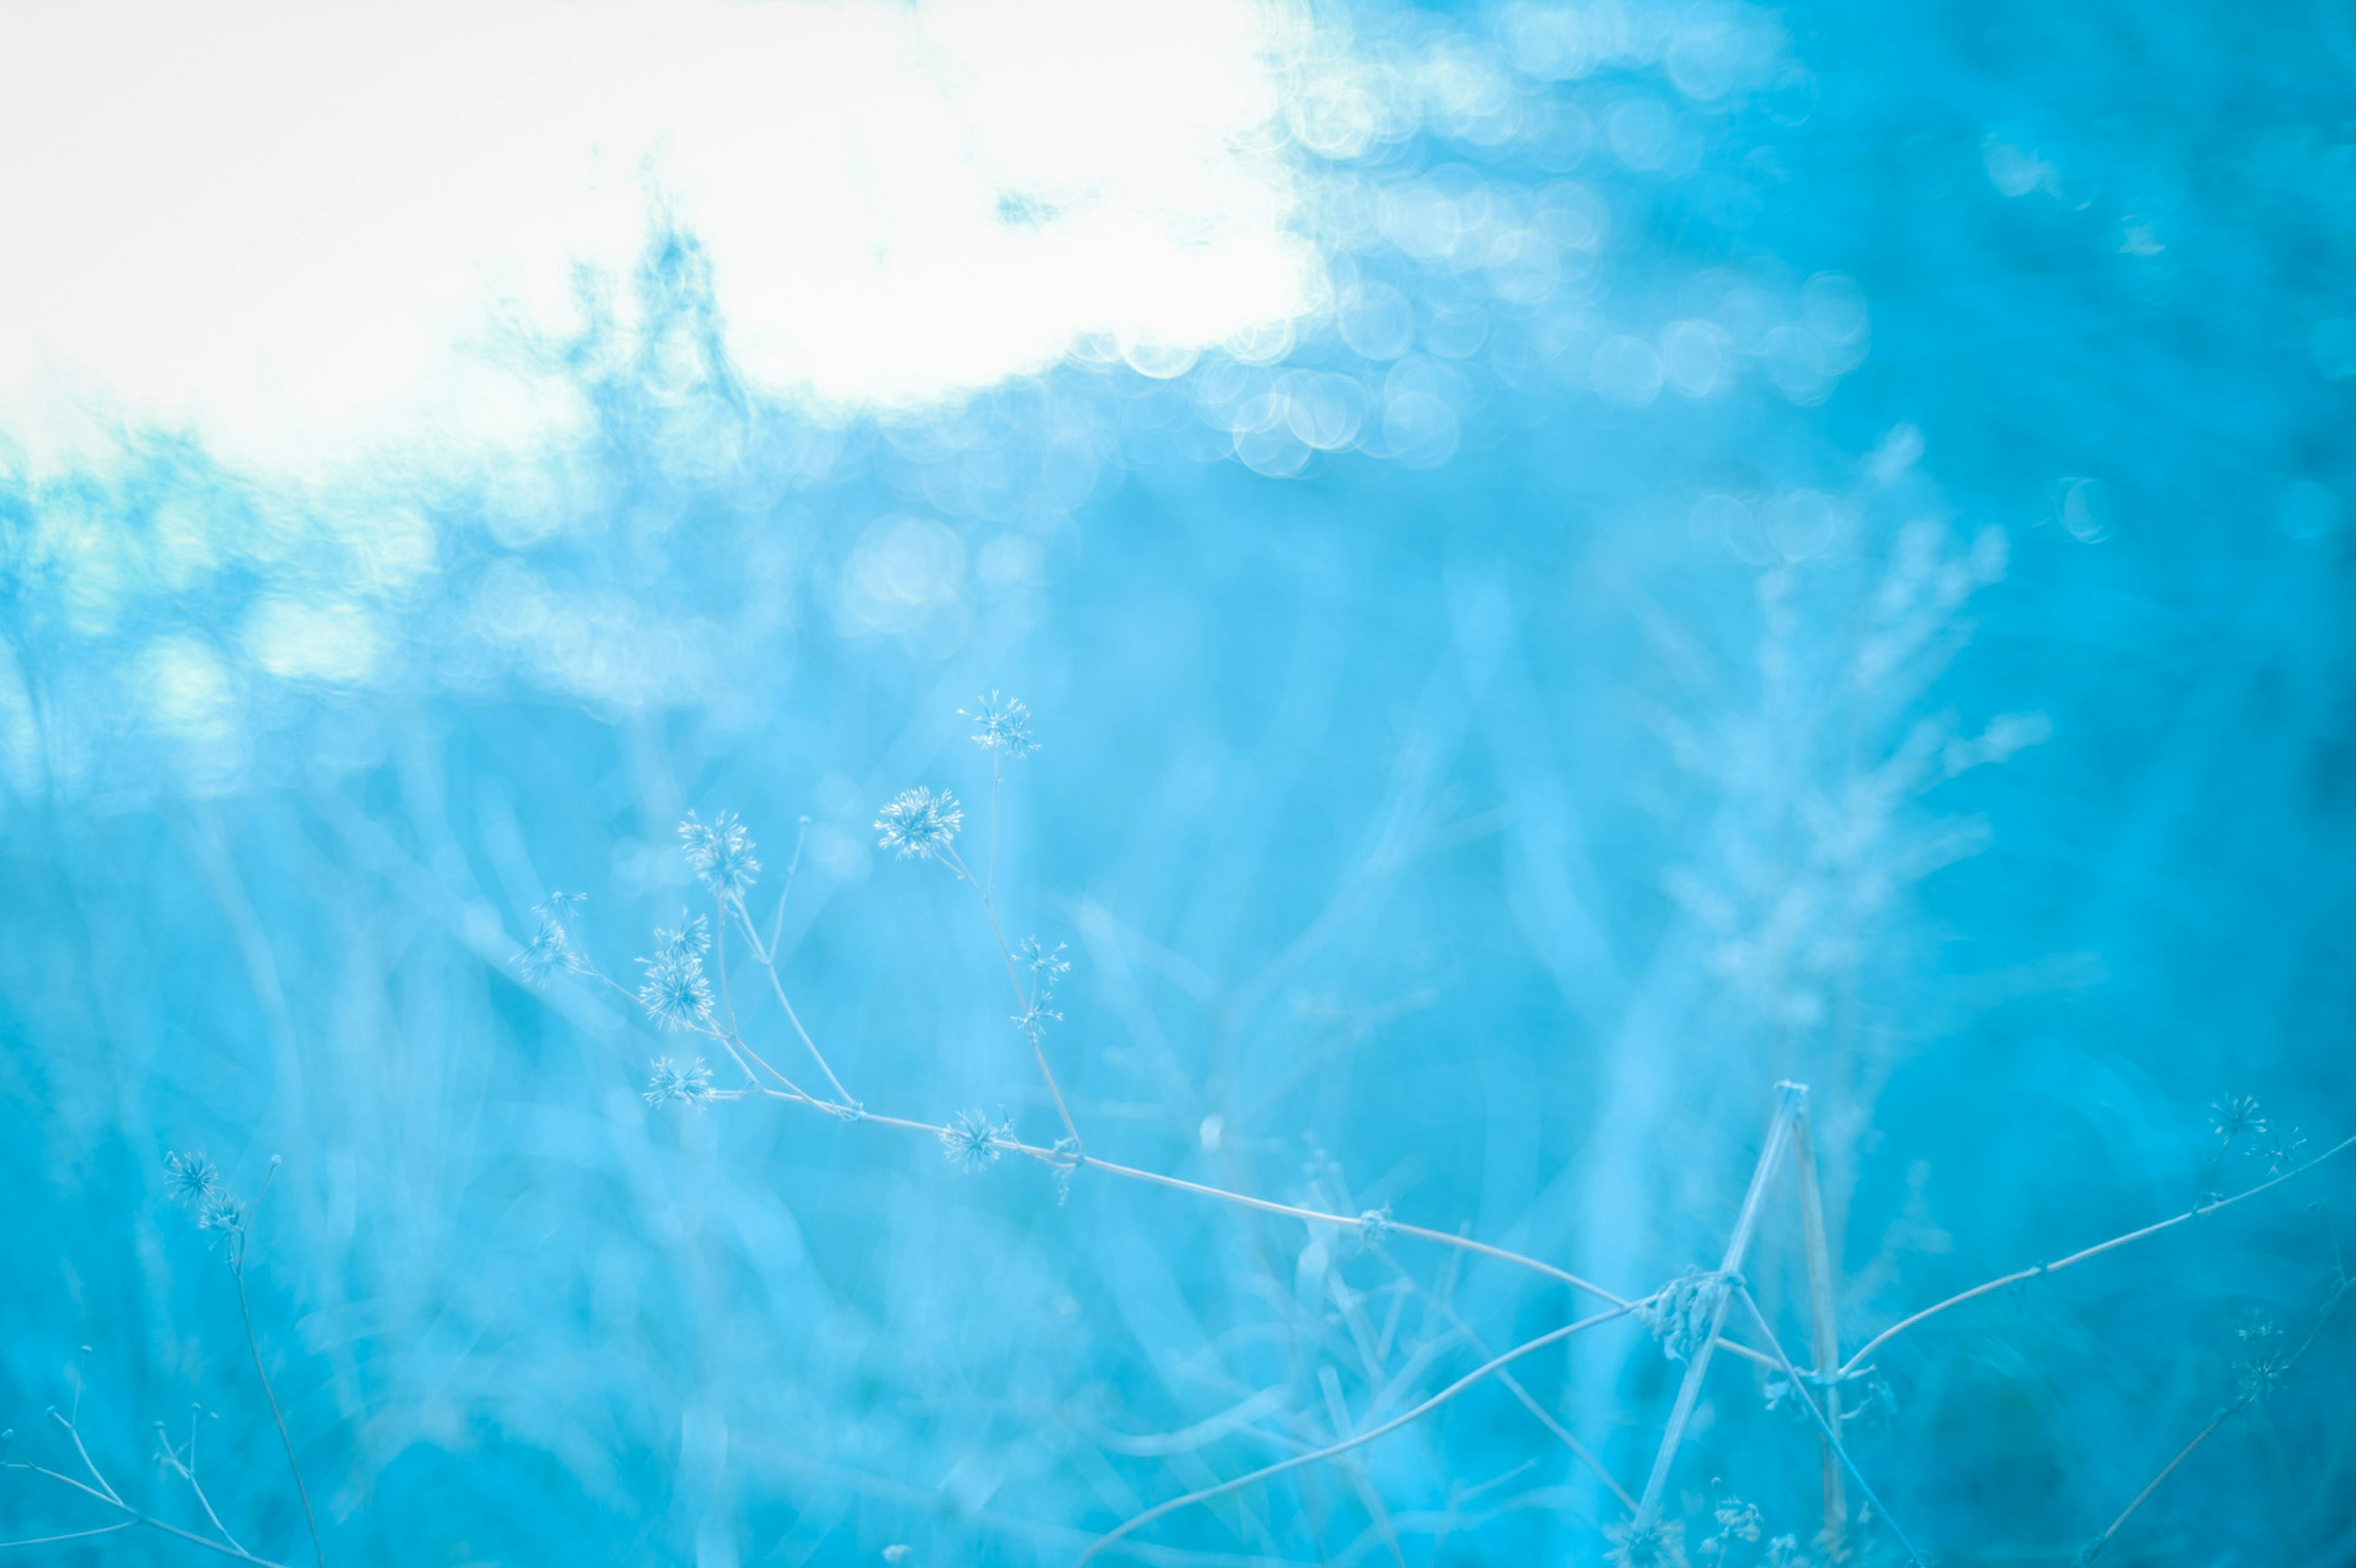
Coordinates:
<point>1482,828</point>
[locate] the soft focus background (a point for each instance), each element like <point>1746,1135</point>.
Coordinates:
<point>1569,564</point>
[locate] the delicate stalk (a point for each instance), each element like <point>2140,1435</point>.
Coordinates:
<point>1824,1427</point>
<point>1789,1101</point>
<point>1849,1368</point>
<point>245,1315</point>
<point>777,920</point>
<point>767,960</point>
<point>1822,1321</point>
<point>1060,1158</point>
<point>1496,1362</point>
<point>2338,1290</point>
<point>1013,975</point>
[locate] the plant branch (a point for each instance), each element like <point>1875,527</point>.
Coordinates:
<point>1403,1419</point>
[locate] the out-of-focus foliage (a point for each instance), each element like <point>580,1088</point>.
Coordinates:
<point>1804,545</point>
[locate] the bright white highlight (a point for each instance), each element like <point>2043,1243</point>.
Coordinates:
<point>279,222</point>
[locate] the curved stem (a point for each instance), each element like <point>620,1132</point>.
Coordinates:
<point>769,967</point>
<point>1059,1159</point>
<point>1393,1424</point>
<point>1014,978</point>
<point>1849,1367</point>
<point>245,1315</point>
<point>1831,1437</point>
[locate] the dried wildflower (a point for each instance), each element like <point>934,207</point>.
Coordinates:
<point>1375,1226</point>
<point>675,993</point>
<point>2264,1361</point>
<point>690,1085</point>
<point>1646,1542</point>
<point>720,852</point>
<point>2235,1116</point>
<point>1048,965</point>
<point>917,825</point>
<point>552,946</point>
<point>972,1140</point>
<point>1783,1551</point>
<point>2282,1151</point>
<point>1738,1521</point>
<point>1682,1316</point>
<point>1005,726</point>
<point>1034,1020</point>
<point>192,1181</point>
<point>692,940</point>
<point>220,1213</point>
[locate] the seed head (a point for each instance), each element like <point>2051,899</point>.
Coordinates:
<point>1005,726</point>
<point>917,825</point>
<point>972,1140</point>
<point>675,993</point>
<point>192,1180</point>
<point>1646,1542</point>
<point>690,1085</point>
<point>2237,1115</point>
<point>720,852</point>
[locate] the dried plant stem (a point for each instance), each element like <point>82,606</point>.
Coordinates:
<point>1405,1417</point>
<point>768,963</point>
<point>132,1517</point>
<point>1013,974</point>
<point>1824,1427</point>
<point>2330,1303</point>
<point>1822,1320</point>
<point>1790,1099</point>
<point>253,1345</point>
<point>1063,1157</point>
<point>1849,1368</point>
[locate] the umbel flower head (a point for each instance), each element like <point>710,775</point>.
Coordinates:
<point>720,852</point>
<point>675,993</point>
<point>1005,726</point>
<point>1646,1542</point>
<point>972,1140</point>
<point>552,946</point>
<point>690,1085</point>
<point>191,1180</point>
<point>918,825</point>
<point>2237,1115</point>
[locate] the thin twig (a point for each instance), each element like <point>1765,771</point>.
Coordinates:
<point>1848,1367</point>
<point>1014,978</point>
<point>1824,1427</point>
<point>1824,1324</point>
<point>1428,1406</point>
<point>70,1535</point>
<point>1789,1099</point>
<point>245,1315</point>
<point>2338,1290</point>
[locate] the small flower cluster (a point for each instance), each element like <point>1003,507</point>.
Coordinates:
<point>972,1140</point>
<point>1683,1315</point>
<point>2264,1362</point>
<point>1375,1227</point>
<point>1005,726</point>
<point>720,854</point>
<point>195,1184</point>
<point>1046,966</point>
<point>1647,1541</point>
<point>917,825</point>
<point>1736,1520</point>
<point>690,1085</point>
<point>2237,1116</point>
<point>675,991</point>
<point>552,946</point>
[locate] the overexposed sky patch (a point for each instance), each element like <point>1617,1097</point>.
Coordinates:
<point>296,227</point>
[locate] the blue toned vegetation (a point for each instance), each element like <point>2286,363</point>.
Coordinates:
<point>1668,883</point>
